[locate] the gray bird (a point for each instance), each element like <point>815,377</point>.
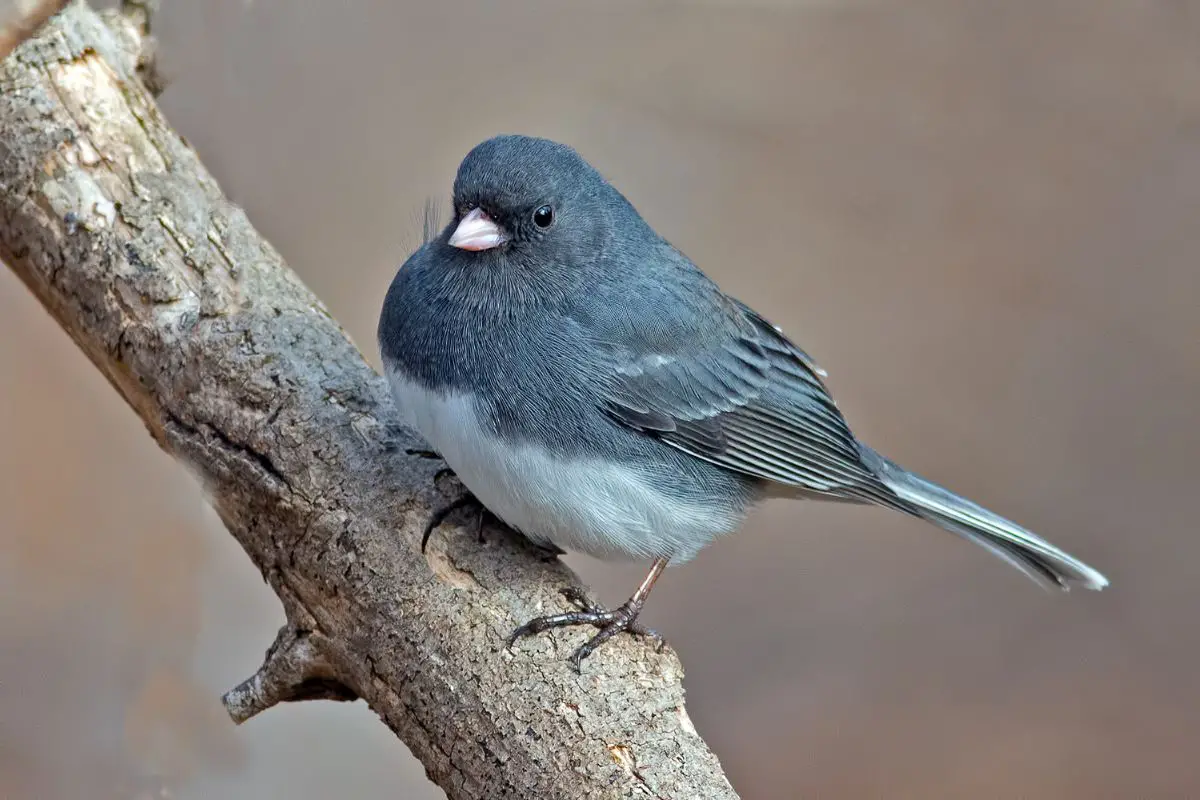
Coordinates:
<point>598,393</point>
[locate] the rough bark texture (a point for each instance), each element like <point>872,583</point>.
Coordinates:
<point>240,372</point>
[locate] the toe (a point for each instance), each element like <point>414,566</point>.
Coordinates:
<point>580,599</point>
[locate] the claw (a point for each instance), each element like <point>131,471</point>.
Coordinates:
<point>483,514</point>
<point>439,516</point>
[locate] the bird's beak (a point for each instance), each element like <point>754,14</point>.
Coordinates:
<point>477,231</point>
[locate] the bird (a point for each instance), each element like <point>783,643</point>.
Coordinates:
<point>596,391</point>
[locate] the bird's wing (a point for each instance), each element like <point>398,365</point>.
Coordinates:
<point>751,402</point>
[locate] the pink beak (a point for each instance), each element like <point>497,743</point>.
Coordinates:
<point>477,231</point>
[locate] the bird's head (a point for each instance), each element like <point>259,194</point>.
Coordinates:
<point>525,201</point>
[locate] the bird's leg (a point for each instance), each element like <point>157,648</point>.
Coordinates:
<point>610,623</point>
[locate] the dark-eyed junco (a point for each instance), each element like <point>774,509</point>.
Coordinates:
<point>597,392</point>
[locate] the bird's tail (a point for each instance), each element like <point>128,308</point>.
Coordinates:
<point>1034,556</point>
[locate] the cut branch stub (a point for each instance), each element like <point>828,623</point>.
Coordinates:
<point>294,669</point>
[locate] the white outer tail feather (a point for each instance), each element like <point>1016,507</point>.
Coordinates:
<point>1032,555</point>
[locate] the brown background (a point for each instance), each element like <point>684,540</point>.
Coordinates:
<point>981,218</point>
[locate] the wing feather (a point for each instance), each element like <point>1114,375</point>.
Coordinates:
<point>753,403</point>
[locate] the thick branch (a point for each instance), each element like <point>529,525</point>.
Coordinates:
<point>240,372</point>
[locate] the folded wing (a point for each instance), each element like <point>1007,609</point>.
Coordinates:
<point>751,402</point>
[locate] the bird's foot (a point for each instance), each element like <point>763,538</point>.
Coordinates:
<point>439,516</point>
<point>544,552</point>
<point>610,623</point>
<point>432,455</point>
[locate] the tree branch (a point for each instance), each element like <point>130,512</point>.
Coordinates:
<point>241,373</point>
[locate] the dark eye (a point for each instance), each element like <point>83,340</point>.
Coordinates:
<point>543,217</point>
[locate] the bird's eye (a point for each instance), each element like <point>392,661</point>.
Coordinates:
<point>543,217</point>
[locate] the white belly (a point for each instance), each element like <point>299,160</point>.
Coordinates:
<point>586,505</point>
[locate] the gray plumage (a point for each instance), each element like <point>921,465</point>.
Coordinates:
<point>597,391</point>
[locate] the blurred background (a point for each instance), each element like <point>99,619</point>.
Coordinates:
<point>978,215</point>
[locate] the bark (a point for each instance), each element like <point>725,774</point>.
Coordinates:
<point>242,374</point>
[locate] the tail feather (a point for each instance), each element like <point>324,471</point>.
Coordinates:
<point>1032,555</point>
